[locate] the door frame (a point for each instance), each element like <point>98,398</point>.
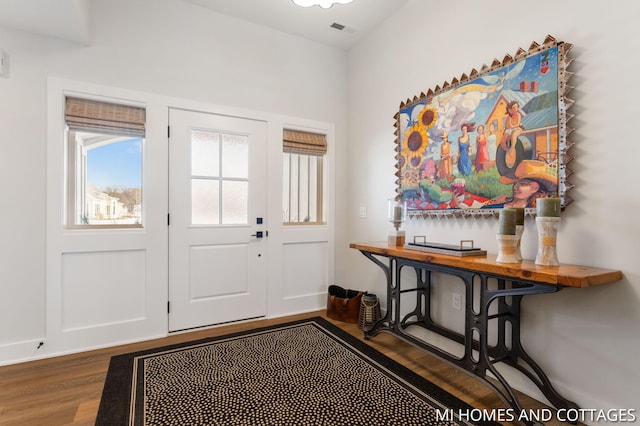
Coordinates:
<point>56,340</point>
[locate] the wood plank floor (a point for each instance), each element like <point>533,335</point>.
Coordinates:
<point>66,390</point>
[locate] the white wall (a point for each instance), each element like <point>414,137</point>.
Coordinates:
<point>587,340</point>
<point>172,49</point>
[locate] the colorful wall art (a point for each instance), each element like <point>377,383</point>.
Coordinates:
<point>496,138</point>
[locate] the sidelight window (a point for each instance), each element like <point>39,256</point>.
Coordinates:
<point>104,157</point>
<point>304,177</point>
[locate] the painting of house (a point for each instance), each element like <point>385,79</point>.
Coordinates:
<point>539,119</point>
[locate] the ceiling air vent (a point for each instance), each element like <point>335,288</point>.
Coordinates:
<point>344,28</point>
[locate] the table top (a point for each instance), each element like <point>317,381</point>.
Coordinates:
<point>566,275</point>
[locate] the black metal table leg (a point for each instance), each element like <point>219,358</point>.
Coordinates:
<point>516,356</point>
<point>479,357</point>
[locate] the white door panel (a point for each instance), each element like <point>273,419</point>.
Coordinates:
<point>217,193</point>
<point>228,263</point>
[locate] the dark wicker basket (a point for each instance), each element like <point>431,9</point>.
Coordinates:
<point>369,311</point>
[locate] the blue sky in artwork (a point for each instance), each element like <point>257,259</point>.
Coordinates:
<point>531,71</point>
<point>117,164</point>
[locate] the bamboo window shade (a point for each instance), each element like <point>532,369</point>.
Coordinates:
<point>296,142</point>
<point>103,117</point>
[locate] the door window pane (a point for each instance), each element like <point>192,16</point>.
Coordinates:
<point>235,156</point>
<point>205,153</point>
<point>205,200</point>
<point>235,196</point>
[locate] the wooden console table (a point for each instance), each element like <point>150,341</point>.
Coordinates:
<point>488,282</point>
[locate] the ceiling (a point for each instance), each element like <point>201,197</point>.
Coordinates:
<point>69,19</point>
<point>313,23</point>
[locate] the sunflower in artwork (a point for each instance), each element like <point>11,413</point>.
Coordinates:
<point>428,117</point>
<point>415,143</point>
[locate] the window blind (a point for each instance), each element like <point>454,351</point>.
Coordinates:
<point>306,143</point>
<point>104,117</point>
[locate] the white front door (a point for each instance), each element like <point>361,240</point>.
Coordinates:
<point>217,206</point>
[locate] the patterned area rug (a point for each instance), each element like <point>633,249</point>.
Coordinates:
<point>302,373</point>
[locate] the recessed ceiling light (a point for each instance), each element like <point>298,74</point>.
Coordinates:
<point>325,4</point>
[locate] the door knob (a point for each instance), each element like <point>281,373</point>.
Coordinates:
<point>257,234</point>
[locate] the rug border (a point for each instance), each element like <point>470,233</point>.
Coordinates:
<point>115,410</point>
